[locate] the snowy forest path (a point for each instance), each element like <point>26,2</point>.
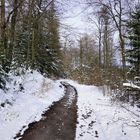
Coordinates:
<point>59,122</point>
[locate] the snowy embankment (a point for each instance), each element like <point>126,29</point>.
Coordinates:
<point>100,119</point>
<point>19,107</point>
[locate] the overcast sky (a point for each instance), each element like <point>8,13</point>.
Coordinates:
<point>75,17</point>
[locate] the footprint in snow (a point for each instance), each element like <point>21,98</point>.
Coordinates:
<point>96,134</point>
<point>81,126</point>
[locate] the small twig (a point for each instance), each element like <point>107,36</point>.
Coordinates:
<point>130,111</point>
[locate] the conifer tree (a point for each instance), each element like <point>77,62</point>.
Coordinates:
<point>133,53</point>
<point>52,47</point>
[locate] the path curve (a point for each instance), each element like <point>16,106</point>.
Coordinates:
<point>59,122</point>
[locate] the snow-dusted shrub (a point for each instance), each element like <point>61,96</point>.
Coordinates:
<point>3,79</point>
<point>128,93</point>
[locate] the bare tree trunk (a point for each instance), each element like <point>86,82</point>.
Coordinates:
<point>33,48</point>
<point>29,33</point>
<point>81,61</point>
<point>122,45</point>
<point>3,35</point>
<point>100,40</point>
<point>13,25</point>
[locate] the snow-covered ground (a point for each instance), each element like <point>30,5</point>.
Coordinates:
<point>99,119</point>
<point>19,108</point>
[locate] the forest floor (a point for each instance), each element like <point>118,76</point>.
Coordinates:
<point>44,109</point>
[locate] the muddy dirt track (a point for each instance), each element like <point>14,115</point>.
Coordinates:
<point>58,123</point>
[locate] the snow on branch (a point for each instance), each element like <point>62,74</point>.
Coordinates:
<point>131,85</point>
